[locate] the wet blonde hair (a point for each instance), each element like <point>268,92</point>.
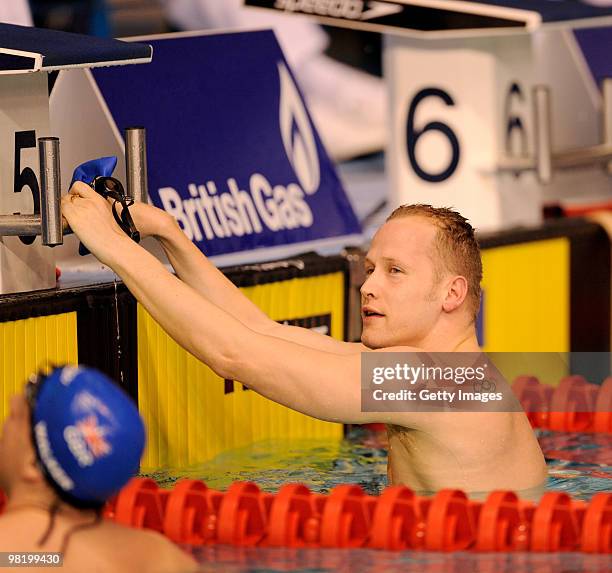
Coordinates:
<point>456,247</point>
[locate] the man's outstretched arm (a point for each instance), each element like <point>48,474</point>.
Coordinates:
<point>318,383</point>
<point>322,384</point>
<point>194,268</point>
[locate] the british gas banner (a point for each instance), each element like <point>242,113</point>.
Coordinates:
<point>232,151</point>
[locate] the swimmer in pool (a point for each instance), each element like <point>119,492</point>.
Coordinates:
<point>421,293</point>
<point>70,442</point>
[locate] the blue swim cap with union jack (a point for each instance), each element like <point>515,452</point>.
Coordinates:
<point>88,434</point>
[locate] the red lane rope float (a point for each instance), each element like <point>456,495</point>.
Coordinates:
<point>294,521</point>
<point>597,525</point>
<point>242,518</point>
<point>554,524</point>
<point>502,524</point>
<point>396,520</point>
<point>534,398</point>
<point>449,525</point>
<point>345,521</point>
<point>574,405</point>
<point>190,512</point>
<point>602,419</point>
<point>138,505</point>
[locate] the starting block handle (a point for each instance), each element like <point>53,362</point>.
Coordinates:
<point>136,163</point>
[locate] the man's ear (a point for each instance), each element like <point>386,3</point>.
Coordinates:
<point>456,292</point>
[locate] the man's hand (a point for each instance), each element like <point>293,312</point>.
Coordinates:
<point>89,216</point>
<point>149,220</point>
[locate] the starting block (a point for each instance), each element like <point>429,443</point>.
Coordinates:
<point>27,56</point>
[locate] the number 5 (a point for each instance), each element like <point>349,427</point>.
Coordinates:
<point>26,177</point>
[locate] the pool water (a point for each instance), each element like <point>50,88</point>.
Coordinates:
<point>578,464</point>
<point>274,560</point>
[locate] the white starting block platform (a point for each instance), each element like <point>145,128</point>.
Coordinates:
<point>24,49</point>
<point>26,55</point>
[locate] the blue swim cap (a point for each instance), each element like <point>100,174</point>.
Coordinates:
<point>88,434</point>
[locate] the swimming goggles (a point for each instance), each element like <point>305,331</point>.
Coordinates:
<point>111,188</point>
<point>32,389</point>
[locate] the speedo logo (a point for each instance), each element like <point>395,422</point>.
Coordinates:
<point>229,211</point>
<point>363,10</point>
<point>350,9</point>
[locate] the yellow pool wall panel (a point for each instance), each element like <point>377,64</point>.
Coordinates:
<point>30,344</point>
<point>527,297</point>
<point>527,308</point>
<point>189,416</point>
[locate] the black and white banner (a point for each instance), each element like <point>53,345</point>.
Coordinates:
<point>427,16</point>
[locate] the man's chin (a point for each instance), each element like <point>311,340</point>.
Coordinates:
<point>372,342</point>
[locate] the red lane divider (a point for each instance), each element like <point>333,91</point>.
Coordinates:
<point>138,505</point>
<point>190,512</point>
<point>597,525</point>
<point>396,523</point>
<point>398,519</point>
<point>572,405</point>
<point>449,525</point>
<point>502,524</point>
<point>345,521</point>
<point>535,399</point>
<point>554,524</point>
<point>575,405</point>
<point>602,419</point>
<point>294,521</point>
<point>242,518</point>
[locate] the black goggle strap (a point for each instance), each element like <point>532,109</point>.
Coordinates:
<point>32,388</point>
<point>125,220</point>
<point>31,391</point>
<point>109,187</point>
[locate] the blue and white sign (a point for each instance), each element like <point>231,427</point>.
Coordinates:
<point>233,154</point>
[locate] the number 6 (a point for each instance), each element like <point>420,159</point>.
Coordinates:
<point>412,136</point>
